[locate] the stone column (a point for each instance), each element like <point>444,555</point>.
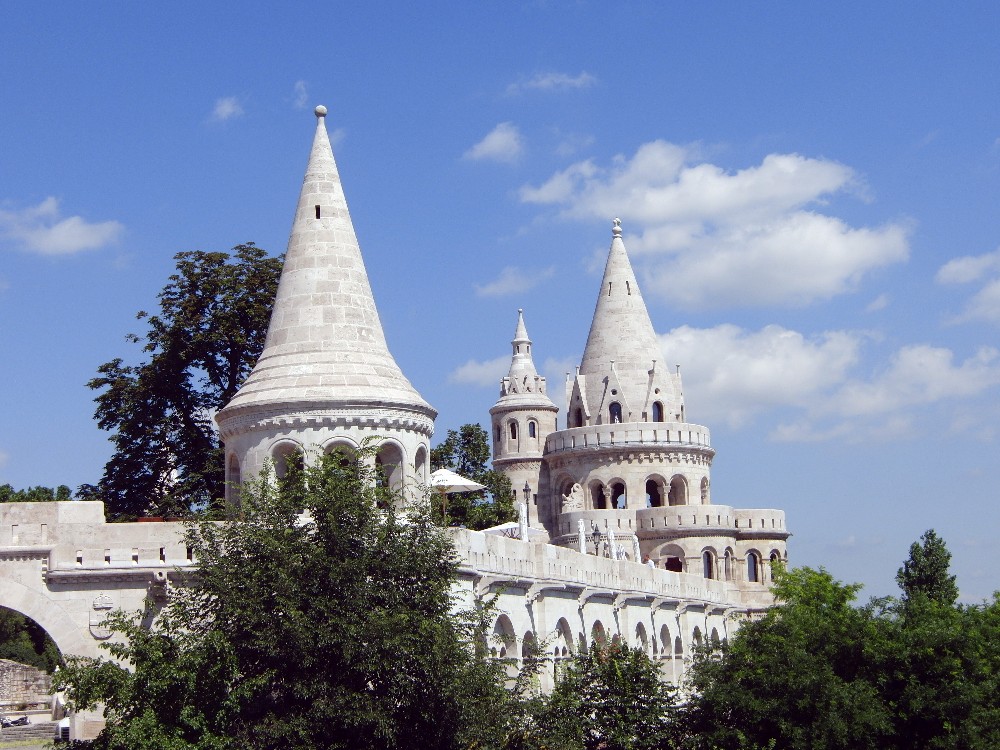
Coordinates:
<point>581,536</point>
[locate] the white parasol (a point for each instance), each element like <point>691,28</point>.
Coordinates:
<point>445,481</point>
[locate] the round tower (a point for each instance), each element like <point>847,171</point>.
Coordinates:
<point>522,418</point>
<point>326,379</point>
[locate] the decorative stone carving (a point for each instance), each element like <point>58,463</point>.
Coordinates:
<point>98,615</point>
<point>574,500</point>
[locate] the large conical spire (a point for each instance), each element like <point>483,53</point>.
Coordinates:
<point>621,330</point>
<point>325,345</point>
<point>622,376</point>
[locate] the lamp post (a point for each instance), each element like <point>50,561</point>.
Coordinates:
<point>527,497</point>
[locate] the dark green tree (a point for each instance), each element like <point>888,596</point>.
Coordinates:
<point>466,451</point>
<point>610,697</point>
<point>210,330</point>
<point>24,640</point>
<point>316,620</point>
<point>804,676</point>
<point>925,574</point>
<point>34,494</point>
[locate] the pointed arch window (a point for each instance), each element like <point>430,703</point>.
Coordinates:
<point>708,564</point>
<point>657,411</point>
<point>513,430</point>
<point>532,429</point>
<point>753,568</point>
<point>615,412</point>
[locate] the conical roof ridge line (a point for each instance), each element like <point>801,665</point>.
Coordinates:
<point>325,342</point>
<point>621,328</point>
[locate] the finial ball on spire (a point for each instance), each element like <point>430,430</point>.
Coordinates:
<point>617,230</point>
<point>321,111</point>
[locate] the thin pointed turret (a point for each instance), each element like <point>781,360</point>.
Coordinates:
<point>523,384</point>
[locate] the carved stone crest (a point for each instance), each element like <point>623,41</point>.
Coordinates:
<point>102,604</point>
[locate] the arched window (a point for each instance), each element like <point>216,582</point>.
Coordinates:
<point>708,564</point>
<point>286,456</point>
<point>234,479</point>
<point>728,565</point>
<point>615,412</point>
<point>578,417</point>
<point>753,567</point>
<point>496,433</point>
<point>704,490</point>
<point>532,430</point>
<point>678,491</point>
<point>597,496</point>
<point>653,497</point>
<point>657,411</point>
<point>389,466</point>
<point>512,426</point>
<point>618,498</point>
<point>420,464</point>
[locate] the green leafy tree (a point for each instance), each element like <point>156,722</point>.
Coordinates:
<point>610,697</point>
<point>34,494</point>
<point>466,451</point>
<point>210,330</point>
<point>316,620</point>
<point>925,574</point>
<point>25,641</point>
<point>804,676</point>
<point>941,674</point>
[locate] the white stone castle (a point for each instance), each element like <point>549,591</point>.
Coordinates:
<point>619,539</point>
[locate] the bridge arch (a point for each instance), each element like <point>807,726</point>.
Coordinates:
<point>70,636</point>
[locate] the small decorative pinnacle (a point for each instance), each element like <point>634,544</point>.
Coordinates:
<point>321,111</point>
<point>617,231</point>
<point>519,311</point>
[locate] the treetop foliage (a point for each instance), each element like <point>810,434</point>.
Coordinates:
<point>318,619</point>
<point>201,345</point>
<point>925,572</point>
<point>34,494</point>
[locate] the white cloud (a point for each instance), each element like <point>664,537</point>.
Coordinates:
<point>571,143</point>
<point>513,280</point>
<point>226,108</point>
<point>968,268</point>
<point>710,238</point>
<point>918,375</point>
<point>301,98</point>
<point>503,144</point>
<point>810,383</point>
<point>731,374</point>
<point>481,374</point>
<point>41,229</point>
<point>879,303</point>
<point>552,81</point>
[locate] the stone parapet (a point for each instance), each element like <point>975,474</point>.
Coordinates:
<point>629,434</point>
<point>524,564</point>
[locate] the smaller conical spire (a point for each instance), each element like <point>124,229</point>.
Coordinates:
<point>523,382</point>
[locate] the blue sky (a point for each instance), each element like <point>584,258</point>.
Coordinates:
<point>809,196</point>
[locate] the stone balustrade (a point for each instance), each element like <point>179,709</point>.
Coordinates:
<point>610,436</point>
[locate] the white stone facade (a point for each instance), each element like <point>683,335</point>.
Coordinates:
<point>627,480</point>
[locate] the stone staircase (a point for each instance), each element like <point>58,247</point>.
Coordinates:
<point>41,731</point>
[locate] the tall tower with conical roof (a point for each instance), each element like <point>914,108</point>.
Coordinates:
<point>522,419</point>
<point>326,379</point>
